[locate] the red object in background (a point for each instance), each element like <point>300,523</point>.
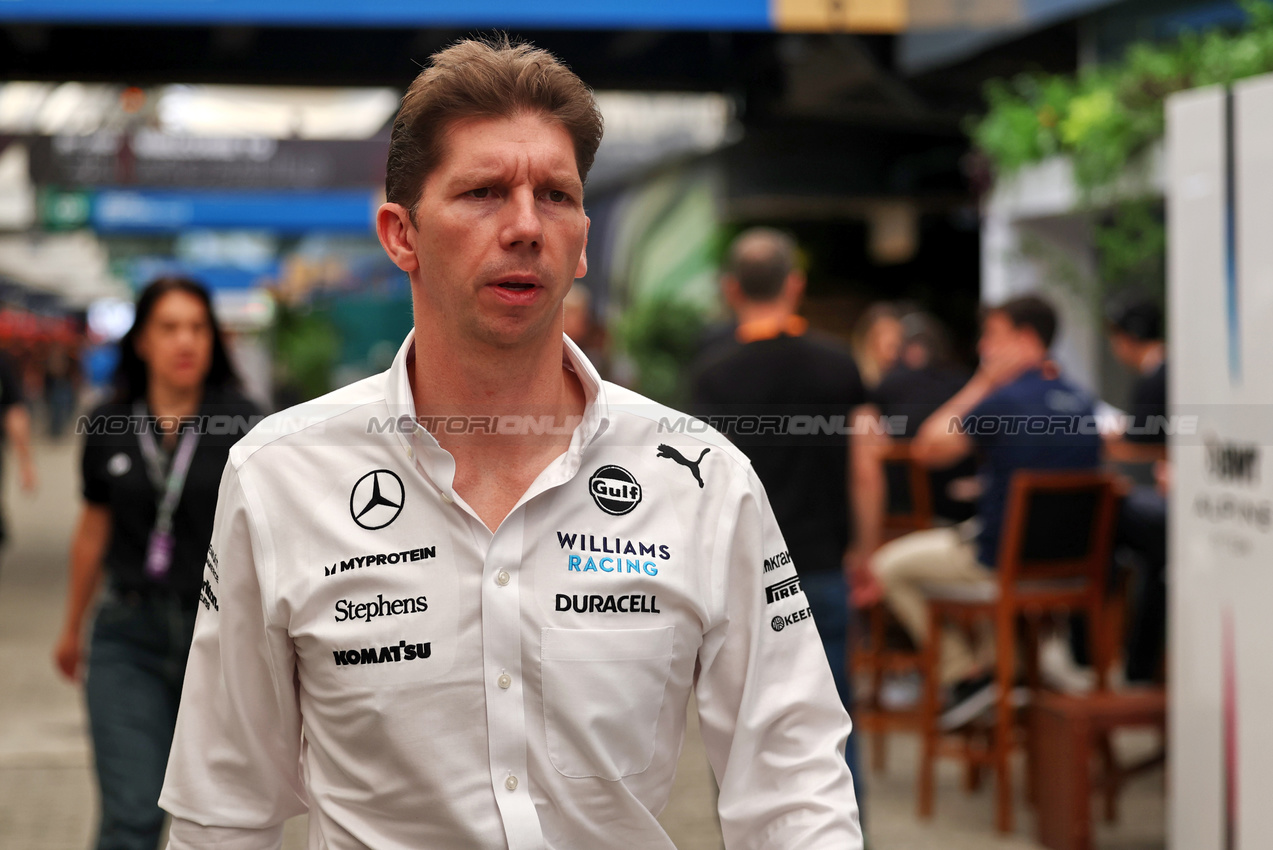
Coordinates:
<point>1230,702</point>
<point>28,338</point>
<point>20,328</point>
<point>132,99</point>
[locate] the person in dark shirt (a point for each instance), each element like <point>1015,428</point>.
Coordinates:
<point>15,428</point>
<point>784,396</point>
<point>151,467</point>
<point>921,382</point>
<point>877,341</point>
<point>1135,327</point>
<point>1016,381</point>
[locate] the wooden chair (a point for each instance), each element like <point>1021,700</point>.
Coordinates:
<point>908,508</point>
<point>1054,553</point>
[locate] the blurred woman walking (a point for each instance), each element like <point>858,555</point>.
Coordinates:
<point>151,468</point>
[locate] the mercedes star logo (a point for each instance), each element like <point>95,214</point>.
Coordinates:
<point>376,499</point>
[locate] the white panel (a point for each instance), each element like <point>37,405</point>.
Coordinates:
<point>1251,580</point>
<point>1254,133</point>
<point>1198,374</point>
<point>1195,242</point>
<point>1221,542</point>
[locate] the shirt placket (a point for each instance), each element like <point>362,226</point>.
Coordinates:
<point>505,694</point>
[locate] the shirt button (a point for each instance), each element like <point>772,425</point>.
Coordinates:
<point>511,783</point>
<point>502,578</point>
<point>446,497</point>
<point>504,681</point>
<point>410,452</point>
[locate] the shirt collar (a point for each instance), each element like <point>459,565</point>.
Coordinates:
<point>792,325</point>
<point>438,464</point>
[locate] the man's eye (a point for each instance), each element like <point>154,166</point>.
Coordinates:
<point>557,196</point>
<point>484,192</point>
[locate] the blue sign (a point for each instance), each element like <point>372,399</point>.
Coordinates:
<point>544,14</point>
<point>156,211</point>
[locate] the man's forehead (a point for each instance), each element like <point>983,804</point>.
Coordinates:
<point>996,320</point>
<point>471,157</point>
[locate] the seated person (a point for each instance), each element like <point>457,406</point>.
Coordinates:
<point>1015,381</point>
<point>1135,327</point>
<point>922,381</point>
<point>1135,323</point>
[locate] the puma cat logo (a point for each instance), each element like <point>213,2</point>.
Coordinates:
<point>672,454</point>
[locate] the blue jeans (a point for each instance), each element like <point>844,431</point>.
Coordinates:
<point>137,660</point>
<point>828,594</point>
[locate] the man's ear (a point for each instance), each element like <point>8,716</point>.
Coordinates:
<point>731,291</point>
<point>582,269</point>
<point>397,236</point>
<point>793,287</point>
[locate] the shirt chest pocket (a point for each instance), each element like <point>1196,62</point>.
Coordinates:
<point>603,691</point>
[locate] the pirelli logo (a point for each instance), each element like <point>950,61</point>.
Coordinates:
<point>782,590</point>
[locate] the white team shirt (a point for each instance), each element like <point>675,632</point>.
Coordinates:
<point>370,652</point>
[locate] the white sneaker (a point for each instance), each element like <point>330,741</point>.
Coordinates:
<point>968,706</point>
<point>899,693</point>
<point>1058,670</point>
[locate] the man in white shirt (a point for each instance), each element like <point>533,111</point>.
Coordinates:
<point>463,603</point>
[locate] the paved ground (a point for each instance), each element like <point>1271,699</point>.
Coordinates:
<point>47,799</point>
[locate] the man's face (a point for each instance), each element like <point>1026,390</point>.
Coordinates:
<point>500,231</point>
<point>1000,339</point>
<point>1124,349</point>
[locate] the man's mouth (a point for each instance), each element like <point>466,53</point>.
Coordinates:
<point>515,287</point>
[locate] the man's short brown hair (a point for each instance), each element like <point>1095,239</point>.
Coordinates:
<point>760,259</point>
<point>1028,311</point>
<point>484,79</point>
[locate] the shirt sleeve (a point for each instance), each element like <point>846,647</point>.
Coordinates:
<point>771,719</point>
<point>234,771</point>
<point>992,407</point>
<point>1149,399</point>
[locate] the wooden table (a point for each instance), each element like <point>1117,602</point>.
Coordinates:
<point>1065,732</point>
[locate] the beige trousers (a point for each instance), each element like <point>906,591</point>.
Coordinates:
<point>933,556</point>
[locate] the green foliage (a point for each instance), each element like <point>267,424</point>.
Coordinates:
<point>661,335</point>
<point>307,347</point>
<point>1105,119</point>
<point>1132,245</point>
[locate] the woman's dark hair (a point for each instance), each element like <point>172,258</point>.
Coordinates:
<point>131,379</point>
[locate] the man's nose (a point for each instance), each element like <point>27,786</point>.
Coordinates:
<point>523,225</point>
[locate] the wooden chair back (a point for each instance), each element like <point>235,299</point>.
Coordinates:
<point>909,504</point>
<point>1058,526</point>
